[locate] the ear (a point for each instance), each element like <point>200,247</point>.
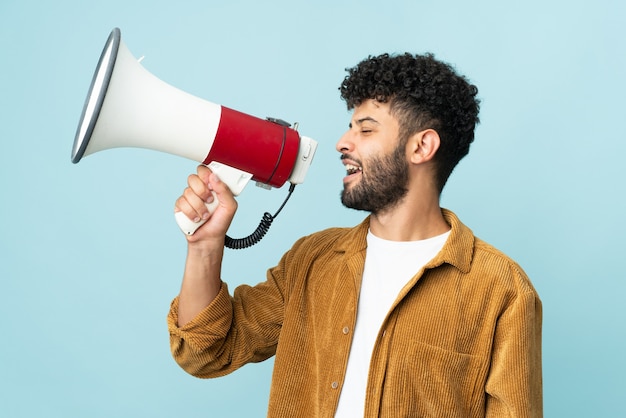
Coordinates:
<point>423,146</point>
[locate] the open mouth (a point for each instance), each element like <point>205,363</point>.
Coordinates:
<point>352,169</point>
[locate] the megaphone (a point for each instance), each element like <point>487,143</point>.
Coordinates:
<point>127,106</point>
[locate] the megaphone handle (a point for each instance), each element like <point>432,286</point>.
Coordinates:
<point>187,225</point>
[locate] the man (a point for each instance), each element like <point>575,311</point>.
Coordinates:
<point>405,315</point>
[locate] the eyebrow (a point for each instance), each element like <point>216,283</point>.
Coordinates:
<point>365,119</point>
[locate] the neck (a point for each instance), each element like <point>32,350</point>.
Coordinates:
<point>414,218</point>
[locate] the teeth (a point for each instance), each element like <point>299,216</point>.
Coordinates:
<point>351,169</point>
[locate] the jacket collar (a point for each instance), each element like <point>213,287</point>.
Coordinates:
<point>459,248</point>
<point>457,251</point>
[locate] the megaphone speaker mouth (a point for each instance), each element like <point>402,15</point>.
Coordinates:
<point>96,95</point>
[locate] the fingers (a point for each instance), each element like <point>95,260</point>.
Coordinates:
<point>192,206</point>
<point>221,191</point>
<point>204,173</point>
<point>204,187</point>
<point>198,187</point>
<point>192,201</point>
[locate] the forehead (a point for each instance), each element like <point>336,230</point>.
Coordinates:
<point>373,111</point>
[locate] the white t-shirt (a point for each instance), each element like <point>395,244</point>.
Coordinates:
<point>389,266</point>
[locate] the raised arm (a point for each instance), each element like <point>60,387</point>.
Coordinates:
<point>205,248</point>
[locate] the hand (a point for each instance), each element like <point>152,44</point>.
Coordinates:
<point>202,188</point>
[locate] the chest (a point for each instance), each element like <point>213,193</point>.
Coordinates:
<point>436,332</point>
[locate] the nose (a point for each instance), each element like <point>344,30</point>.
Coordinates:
<point>345,143</point>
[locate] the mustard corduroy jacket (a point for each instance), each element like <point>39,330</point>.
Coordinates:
<point>463,338</point>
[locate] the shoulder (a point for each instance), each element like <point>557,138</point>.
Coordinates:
<point>494,264</point>
<point>326,247</point>
<point>336,238</point>
<point>482,263</point>
<point>329,239</point>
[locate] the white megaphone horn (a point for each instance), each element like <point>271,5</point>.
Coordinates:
<point>127,106</point>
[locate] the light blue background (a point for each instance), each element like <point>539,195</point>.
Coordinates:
<point>90,254</point>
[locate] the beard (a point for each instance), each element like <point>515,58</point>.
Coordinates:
<point>383,183</point>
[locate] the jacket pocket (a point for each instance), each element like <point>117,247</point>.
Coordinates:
<point>422,380</point>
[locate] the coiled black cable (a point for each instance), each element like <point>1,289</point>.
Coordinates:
<point>261,230</point>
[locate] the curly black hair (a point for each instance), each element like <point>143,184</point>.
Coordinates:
<point>423,93</point>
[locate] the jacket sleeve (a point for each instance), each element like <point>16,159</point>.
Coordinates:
<point>514,384</point>
<point>231,331</point>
